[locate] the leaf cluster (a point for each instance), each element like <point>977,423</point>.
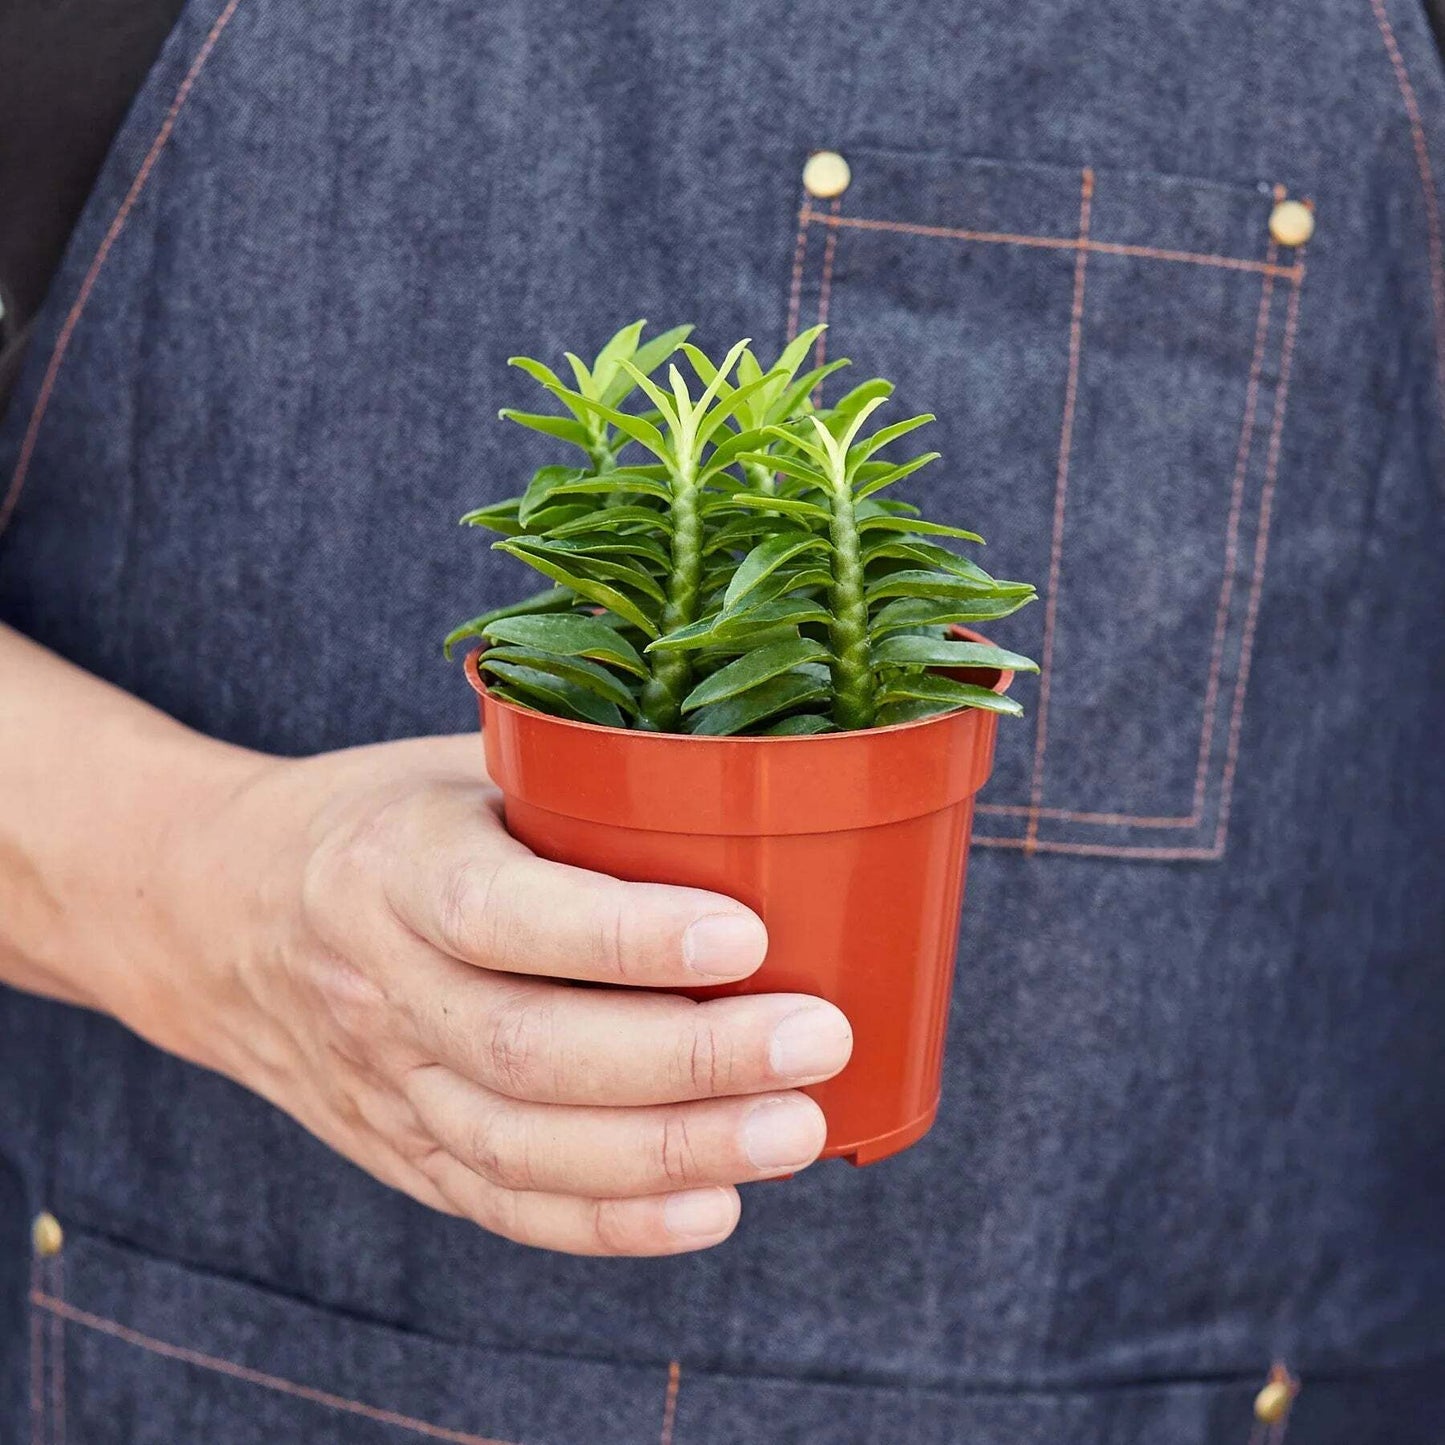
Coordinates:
<point>726,558</point>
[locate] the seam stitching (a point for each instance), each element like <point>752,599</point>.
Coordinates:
<point>1231,545</point>
<point>57,1355</point>
<point>1261,556</point>
<point>246,1375</point>
<point>1427,186</point>
<point>669,1404</point>
<point>38,1430</point>
<point>1061,491</point>
<point>795,287</point>
<point>1052,243</point>
<point>97,264</point>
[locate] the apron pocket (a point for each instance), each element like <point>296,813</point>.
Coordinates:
<point>1109,354</point>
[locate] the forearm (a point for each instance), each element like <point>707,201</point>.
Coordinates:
<point>93,783</point>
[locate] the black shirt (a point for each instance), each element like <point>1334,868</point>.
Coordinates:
<point>69,70</point>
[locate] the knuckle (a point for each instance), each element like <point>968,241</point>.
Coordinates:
<point>608,950</point>
<point>515,1046</point>
<point>465,915</point>
<point>499,1151</point>
<point>610,1226</point>
<point>705,1063</point>
<point>678,1156</point>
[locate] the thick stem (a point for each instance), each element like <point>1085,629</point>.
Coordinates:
<point>672,672</point>
<point>852,666</point>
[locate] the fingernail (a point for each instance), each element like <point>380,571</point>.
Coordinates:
<point>698,1212</point>
<point>782,1134</point>
<point>725,945</point>
<point>811,1043</point>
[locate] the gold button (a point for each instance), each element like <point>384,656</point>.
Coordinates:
<point>1272,1403</point>
<point>826,175</point>
<point>1291,223</point>
<point>47,1235</point>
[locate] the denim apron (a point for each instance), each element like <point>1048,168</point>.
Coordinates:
<point>1194,1119</point>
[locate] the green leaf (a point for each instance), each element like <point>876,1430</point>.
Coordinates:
<point>792,689</point>
<point>497,517</point>
<point>534,369</point>
<point>913,651</point>
<point>568,635</point>
<point>854,401</point>
<point>753,669</point>
<point>946,691</point>
<point>789,466</point>
<point>554,599</point>
<point>731,629</point>
<point>764,560</point>
<point>603,569</point>
<point>924,554</point>
<point>614,483</point>
<point>552,426</point>
<point>784,506</point>
<point>884,522</point>
<point>647,358</point>
<point>940,585</point>
<point>556,695</point>
<point>862,450</point>
<point>596,680</point>
<point>913,612</point>
<point>544,483</point>
<point>583,586</point>
<point>590,518</point>
<point>643,432</point>
<point>894,474</point>
<point>803,724</point>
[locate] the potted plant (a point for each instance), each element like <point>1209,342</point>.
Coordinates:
<point>750,674</point>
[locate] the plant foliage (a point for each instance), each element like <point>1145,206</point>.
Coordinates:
<point>725,557</point>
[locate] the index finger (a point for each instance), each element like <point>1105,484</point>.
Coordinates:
<point>481,897</point>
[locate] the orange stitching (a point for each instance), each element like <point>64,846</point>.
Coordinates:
<point>1068,815</point>
<point>1061,489</point>
<point>255,1377</point>
<point>1261,554</point>
<point>1054,243</point>
<point>117,225</point>
<point>1100,850</point>
<point>57,1360</point>
<point>795,289</point>
<point>1427,185</point>
<point>1231,546</point>
<point>669,1405</point>
<point>825,293</point>
<point>37,1362</point>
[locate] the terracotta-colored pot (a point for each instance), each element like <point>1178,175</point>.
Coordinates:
<point>850,846</point>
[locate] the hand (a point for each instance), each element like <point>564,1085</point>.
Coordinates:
<point>356,938</point>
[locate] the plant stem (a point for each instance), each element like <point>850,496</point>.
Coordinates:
<point>852,666</point>
<point>762,478</point>
<point>672,672</point>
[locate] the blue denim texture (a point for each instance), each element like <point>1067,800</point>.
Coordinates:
<point>1193,1118</point>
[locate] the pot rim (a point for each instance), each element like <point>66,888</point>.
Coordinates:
<point>964,634</point>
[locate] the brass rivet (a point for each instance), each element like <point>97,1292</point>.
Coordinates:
<point>1291,223</point>
<point>826,175</point>
<point>1272,1403</point>
<point>46,1235</point>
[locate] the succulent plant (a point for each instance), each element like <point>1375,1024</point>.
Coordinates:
<point>723,560</point>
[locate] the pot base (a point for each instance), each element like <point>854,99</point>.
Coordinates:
<point>894,1142</point>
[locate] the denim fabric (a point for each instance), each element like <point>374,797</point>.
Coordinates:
<point>1192,1121</point>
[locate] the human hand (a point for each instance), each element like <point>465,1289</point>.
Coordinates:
<point>355,937</point>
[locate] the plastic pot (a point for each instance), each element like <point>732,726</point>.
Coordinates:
<point>850,846</point>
